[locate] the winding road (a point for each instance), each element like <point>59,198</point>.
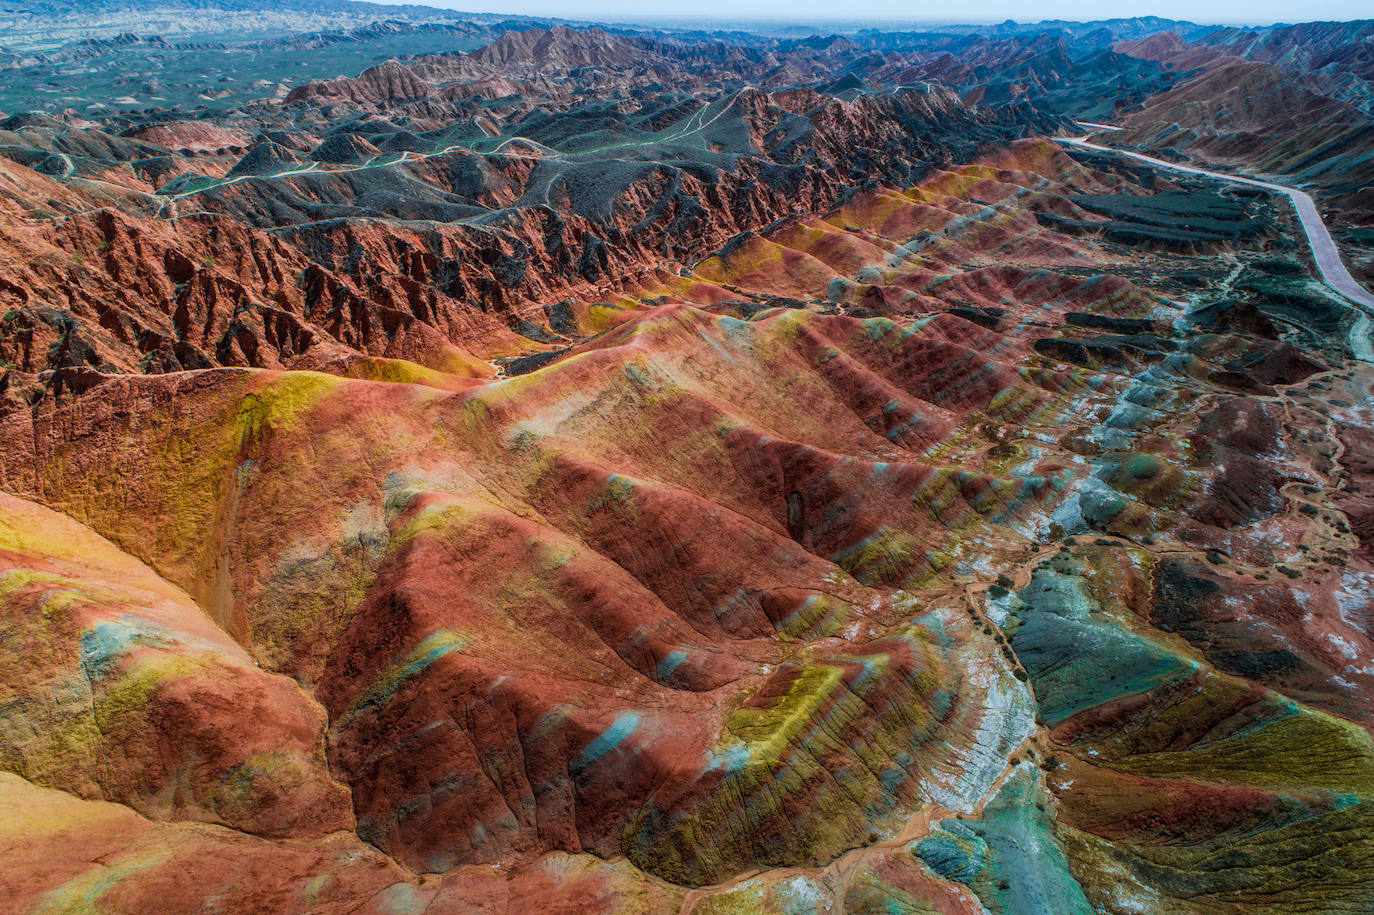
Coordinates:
<point>1324,250</point>
<point>545,151</point>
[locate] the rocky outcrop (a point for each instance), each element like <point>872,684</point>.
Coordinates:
<point>129,294</point>
<point>344,149</point>
<point>383,84</point>
<point>737,495</point>
<point>128,693</point>
<point>639,606</point>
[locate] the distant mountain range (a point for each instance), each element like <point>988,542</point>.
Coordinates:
<point>31,24</point>
<point>27,24</point>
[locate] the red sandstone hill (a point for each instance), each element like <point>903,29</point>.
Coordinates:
<point>1242,95</point>
<point>1171,50</point>
<point>388,82</point>
<point>559,48</point>
<point>709,595</point>
<point>142,293</point>
<point>1307,46</point>
<point>611,473</point>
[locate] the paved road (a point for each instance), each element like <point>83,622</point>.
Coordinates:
<point>1324,250</point>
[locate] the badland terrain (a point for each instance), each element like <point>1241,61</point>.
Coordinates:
<point>460,463</point>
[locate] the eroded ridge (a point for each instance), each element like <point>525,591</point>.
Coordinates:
<point>985,543</point>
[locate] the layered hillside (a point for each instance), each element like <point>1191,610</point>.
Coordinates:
<point>1338,56</point>
<point>1290,102</point>
<point>790,576</point>
<point>41,24</point>
<point>382,241</point>
<point>613,473</point>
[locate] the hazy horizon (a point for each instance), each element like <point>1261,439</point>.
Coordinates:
<point>806,12</point>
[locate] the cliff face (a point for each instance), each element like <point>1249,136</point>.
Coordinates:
<point>102,288</point>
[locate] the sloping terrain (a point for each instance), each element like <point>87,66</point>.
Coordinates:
<point>1293,102</point>
<point>729,586</point>
<point>1336,55</point>
<point>614,472</point>
<point>429,250</point>
<point>40,24</point>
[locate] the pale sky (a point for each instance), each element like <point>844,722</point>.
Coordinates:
<point>1254,12</point>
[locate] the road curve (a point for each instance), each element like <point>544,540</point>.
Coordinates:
<point>1324,250</point>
